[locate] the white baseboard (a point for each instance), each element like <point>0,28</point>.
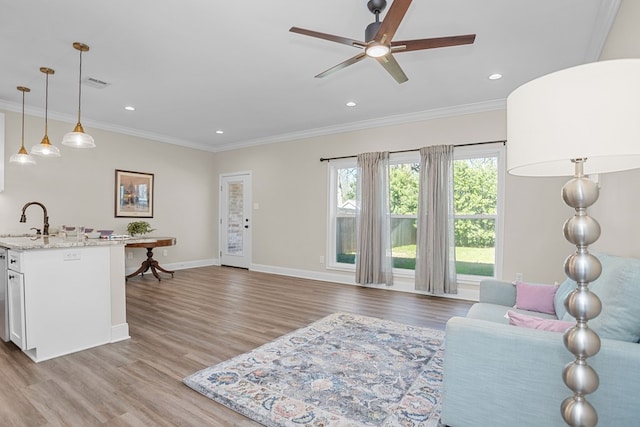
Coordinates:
<point>401,284</point>
<point>120,332</point>
<point>465,292</point>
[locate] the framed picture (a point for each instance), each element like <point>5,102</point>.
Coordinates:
<point>134,194</point>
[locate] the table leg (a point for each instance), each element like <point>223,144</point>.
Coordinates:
<point>151,264</point>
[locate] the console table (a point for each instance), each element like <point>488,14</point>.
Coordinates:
<point>150,264</point>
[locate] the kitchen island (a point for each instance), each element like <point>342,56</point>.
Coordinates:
<point>64,295</point>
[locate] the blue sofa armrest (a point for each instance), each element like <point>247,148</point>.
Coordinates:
<point>498,292</point>
<point>502,375</point>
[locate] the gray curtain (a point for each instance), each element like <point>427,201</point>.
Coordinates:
<point>435,252</point>
<point>374,263</point>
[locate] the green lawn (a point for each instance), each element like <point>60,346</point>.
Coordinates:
<point>473,261</point>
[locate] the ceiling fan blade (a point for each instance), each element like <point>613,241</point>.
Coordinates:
<point>391,21</point>
<point>432,43</point>
<point>359,57</point>
<point>391,65</point>
<point>330,37</point>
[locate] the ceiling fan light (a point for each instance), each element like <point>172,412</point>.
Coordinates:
<point>377,50</point>
<point>78,138</point>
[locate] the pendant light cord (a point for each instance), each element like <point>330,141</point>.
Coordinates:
<point>46,107</point>
<point>80,86</point>
<point>23,119</point>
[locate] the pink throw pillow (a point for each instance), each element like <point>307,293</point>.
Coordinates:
<point>536,297</point>
<point>532,322</point>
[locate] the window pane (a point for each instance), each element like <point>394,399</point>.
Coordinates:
<point>346,191</point>
<point>346,240</point>
<point>346,210</point>
<point>476,186</point>
<point>475,246</point>
<point>403,242</point>
<point>403,188</point>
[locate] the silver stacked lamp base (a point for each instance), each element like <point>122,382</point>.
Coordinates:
<point>581,230</point>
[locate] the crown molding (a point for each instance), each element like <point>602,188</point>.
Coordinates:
<point>480,107</point>
<point>498,104</point>
<point>88,123</point>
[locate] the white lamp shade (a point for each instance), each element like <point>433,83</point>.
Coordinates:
<point>588,112</point>
<point>45,150</point>
<point>22,159</point>
<point>78,140</point>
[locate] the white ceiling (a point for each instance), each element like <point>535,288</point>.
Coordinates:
<point>191,67</point>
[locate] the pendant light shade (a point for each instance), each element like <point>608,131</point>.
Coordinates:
<point>22,158</point>
<point>45,148</point>
<point>78,138</point>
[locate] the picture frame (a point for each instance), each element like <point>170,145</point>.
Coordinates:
<point>133,194</point>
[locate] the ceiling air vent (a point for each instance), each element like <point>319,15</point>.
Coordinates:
<point>93,82</point>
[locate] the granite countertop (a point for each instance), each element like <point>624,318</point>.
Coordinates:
<point>21,242</point>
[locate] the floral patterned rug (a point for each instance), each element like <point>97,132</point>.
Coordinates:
<point>343,370</point>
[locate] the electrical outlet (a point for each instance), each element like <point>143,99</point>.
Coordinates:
<point>519,277</point>
<point>165,252</point>
<point>71,255</point>
<point>321,259</point>
<point>129,255</point>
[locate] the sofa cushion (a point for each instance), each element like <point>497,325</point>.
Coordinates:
<point>498,313</point>
<point>534,322</point>
<point>536,297</point>
<point>618,287</point>
<point>558,300</point>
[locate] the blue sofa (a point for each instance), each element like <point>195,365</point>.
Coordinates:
<point>496,374</point>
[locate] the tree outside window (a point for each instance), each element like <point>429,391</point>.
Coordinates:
<point>476,184</point>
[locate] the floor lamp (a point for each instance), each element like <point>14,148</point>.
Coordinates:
<point>587,115</point>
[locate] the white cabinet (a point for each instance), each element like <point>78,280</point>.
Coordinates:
<point>15,295</point>
<point>4,303</point>
<point>59,300</point>
<point>15,299</point>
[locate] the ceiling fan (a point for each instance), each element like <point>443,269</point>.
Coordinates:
<point>378,42</point>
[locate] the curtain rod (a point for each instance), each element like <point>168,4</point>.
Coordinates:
<point>503,141</point>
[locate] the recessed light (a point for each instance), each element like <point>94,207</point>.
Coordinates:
<point>130,108</point>
<point>219,131</point>
<point>350,104</point>
<point>495,76</point>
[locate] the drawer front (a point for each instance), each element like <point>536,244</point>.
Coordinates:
<point>15,261</point>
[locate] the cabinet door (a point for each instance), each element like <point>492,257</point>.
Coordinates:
<point>4,313</point>
<point>16,309</point>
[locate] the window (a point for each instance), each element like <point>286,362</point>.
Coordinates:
<point>478,178</point>
<point>344,182</point>
<point>477,188</point>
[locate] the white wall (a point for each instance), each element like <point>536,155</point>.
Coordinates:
<point>78,188</point>
<point>618,206</point>
<point>290,186</point>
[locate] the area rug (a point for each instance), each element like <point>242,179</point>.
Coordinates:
<point>343,370</point>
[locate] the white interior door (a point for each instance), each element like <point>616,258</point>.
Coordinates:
<point>235,220</point>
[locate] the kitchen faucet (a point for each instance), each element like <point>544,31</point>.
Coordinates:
<point>23,217</point>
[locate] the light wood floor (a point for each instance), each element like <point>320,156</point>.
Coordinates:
<point>178,326</point>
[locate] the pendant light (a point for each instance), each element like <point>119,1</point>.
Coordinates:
<point>45,148</point>
<point>78,138</point>
<point>22,157</point>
